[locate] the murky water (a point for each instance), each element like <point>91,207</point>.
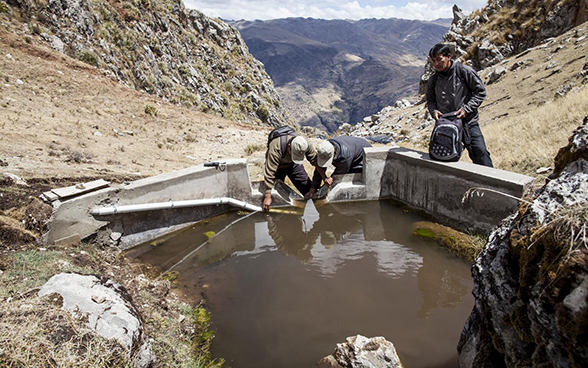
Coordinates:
<point>284,289</point>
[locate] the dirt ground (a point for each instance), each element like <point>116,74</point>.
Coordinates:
<point>61,118</point>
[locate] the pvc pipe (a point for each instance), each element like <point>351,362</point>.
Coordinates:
<point>113,210</point>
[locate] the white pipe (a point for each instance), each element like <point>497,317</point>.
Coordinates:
<point>112,210</point>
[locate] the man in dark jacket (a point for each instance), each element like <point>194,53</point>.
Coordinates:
<point>458,88</point>
<point>345,153</point>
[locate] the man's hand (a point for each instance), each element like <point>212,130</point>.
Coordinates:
<point>328,182</point>
<point>310,194</point>
<point>267,201</point>
<point>437,114</point>
<point>460,114</point>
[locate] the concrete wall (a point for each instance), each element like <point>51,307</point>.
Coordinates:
<point>436,188</point>
<point>407,176</point>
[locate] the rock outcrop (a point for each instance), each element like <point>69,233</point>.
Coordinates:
<point>362,352</point>
<point>163,49</point>
<point>108,309</point>
<point>505,28</point>
<point>531,280</point>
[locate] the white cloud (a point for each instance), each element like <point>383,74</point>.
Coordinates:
<point>331,9</point>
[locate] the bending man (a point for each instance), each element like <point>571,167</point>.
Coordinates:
<point>458,88</point>
<point>345,153</point>
<point>284,157</point>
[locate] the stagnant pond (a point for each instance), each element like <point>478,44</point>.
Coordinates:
<point>284,289</point>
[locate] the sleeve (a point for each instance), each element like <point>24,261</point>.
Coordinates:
<point>272,161</point>
<point>430,95</point>
<point>316,180</point>
<point>476,87</point>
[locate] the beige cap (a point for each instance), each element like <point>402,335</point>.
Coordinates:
<point>298,148</point>
<point>325,153</point>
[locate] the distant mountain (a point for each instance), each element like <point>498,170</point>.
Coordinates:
<point>330,72</point>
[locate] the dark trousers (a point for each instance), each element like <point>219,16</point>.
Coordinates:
<point>297,175</point>
<point>474,143</point>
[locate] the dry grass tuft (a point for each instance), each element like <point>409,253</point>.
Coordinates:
<point>526,142</point>
<point>12,232</point>
<point>50,337</point>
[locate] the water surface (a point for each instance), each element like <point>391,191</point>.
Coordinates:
<point>283,289</point>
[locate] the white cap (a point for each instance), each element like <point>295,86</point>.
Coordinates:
<point>298,148</point>
<point>325,153</point>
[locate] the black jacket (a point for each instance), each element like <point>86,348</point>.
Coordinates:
<point>349,158</point>
<point>458,87</point>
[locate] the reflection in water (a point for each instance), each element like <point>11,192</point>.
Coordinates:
<point>303,284</point>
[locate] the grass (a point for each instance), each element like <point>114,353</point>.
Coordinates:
<point>151,110</point>
<point>252,148</point>
<point>48,336</point>
<point>463,245</point>
<point>539,134</point>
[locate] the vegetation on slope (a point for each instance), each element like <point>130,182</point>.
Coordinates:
<point>162,48</point>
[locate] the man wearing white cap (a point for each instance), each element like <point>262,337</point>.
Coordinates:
<point>345,153</point>
<point>284,157</point>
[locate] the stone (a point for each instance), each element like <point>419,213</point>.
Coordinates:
<point>496,74</point>
<point>16,179</point>
<point>108,309</point>
<point>68,240</point>
<point>362,352</point>
<point>115,236</point>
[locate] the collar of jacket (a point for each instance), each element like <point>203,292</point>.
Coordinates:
<point>342,151</point>
<point>449,70</point>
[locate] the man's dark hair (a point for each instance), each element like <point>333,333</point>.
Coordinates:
<point>440,49</point>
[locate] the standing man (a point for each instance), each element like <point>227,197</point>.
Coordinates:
<point>458,88</point>
<point>284,157</point>
<point>345,153</point>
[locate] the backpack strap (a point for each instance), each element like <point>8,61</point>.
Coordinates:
<point>284,140</point>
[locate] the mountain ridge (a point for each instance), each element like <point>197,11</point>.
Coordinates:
<point>365,64</point>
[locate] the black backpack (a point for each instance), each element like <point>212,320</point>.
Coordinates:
<point>283,132</point>
<point>445,143</point>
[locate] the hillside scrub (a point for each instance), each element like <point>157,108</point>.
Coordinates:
<point>49,336</point>
<point>529,141</point>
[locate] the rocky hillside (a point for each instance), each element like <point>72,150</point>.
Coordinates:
<point>330,72</point>
<point>158,47</point>
<point>505,28</point>
<point>520,86</point>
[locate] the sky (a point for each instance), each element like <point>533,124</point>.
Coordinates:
<point>332,9</point>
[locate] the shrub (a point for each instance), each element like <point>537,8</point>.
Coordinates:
<point>263,113</point>
<point>151,110</point>
<point>89,57</point>
<point>251,148</point>
<point>4,8</point>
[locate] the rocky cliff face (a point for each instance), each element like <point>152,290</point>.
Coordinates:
<point>161,48</point>
<point>531,280</point>
<point>507,27</point>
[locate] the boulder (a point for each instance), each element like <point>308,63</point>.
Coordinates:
<point>362,352</point>
<point>530,281</point>
<point>496,74</point>
<point>107,307</point>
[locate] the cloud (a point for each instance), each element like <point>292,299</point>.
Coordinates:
<point>331,9</point>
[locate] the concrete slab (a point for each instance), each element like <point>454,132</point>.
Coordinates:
<point>80,188</point>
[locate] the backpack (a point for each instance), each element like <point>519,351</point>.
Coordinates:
<point>445,143</point>
<point>283,132</point>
